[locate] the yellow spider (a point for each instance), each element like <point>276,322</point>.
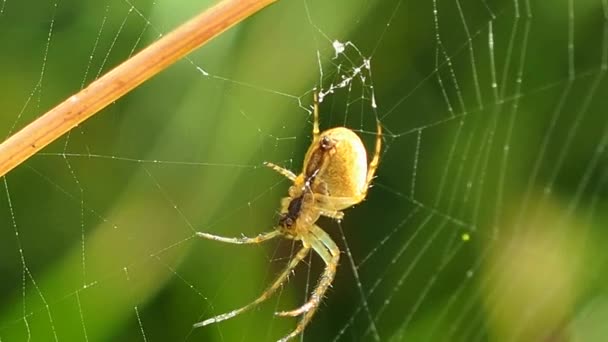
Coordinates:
<point>335,176</point>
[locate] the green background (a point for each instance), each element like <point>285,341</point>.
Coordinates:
<point>499,236</point>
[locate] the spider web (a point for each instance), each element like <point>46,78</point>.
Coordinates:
<point>486,221</point>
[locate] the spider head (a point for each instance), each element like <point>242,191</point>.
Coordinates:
<point>285,221</point>
<point>288,219</point>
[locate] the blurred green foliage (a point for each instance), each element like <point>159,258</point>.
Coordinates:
<point>106,216</point>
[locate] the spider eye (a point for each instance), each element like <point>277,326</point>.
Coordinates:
<point>286,221</point>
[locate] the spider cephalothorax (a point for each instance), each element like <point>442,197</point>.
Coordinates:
<point>293,211</point>
<point>289,217</point>
<point>335,176</point>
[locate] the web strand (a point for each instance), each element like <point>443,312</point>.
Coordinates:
<point>493,171</point>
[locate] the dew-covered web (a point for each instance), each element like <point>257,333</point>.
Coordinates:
<point>487,219</point>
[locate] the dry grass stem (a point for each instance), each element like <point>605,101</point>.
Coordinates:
<point>124,78</point>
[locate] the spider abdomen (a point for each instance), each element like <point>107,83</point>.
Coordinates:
<point>342,169</point>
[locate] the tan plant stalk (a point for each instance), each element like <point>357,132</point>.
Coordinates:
<point>122,79</point>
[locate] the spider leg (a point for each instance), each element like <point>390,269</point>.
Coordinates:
<point>329,204</point>
<point>281,170</point>
<point>319,248</point>
<point>328,250</point>
<point>264,296</point>
<point>321,243</point>
<point>326,240</point>
<point>315,110</point>
<point>241,240</point>
<point>373,165</point>
<point>334,214</point>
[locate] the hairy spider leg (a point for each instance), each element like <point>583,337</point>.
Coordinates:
<point>243,239</point>
<point>320,249</point>
<point>328,205</point>
<point>281,170</point>
<point>322,244</point>
<point>333,214</point>
<point>265,295</point>
<point>315,111</point>
<point>373,165</point>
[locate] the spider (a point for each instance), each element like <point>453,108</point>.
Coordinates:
<point>335,176</point>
